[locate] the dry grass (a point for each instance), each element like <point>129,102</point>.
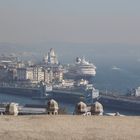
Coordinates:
<point>69,128</point>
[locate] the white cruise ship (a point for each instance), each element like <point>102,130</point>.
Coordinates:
<point>81,69</point>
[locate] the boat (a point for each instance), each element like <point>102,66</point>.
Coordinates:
<point>38,91</point>
<point>114,114</point>
<point>80,90</point>
<point>116,101</point>
<point>122,102</point>
<point>81,69</point>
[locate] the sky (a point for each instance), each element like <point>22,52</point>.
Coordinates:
<point>73,21</point>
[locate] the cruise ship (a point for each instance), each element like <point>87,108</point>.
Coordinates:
<point>81,69</point>
<point>40,90</point>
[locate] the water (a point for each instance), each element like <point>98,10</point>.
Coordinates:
<point>5,98</point>
<point>69,106</point>
<point>124,57</point>
<point>121,79</point>
<point>117,80</point>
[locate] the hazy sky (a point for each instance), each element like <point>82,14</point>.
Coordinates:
<point>75,21</point>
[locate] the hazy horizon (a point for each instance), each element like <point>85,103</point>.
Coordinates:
<point>101,54</point>
<point>75,21</point>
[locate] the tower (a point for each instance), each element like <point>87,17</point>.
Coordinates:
<point>51,57</point>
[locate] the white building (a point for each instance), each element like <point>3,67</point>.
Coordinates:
<point>35,74</point>
<point>51,57</point>
<point>48,76</point>
<point>38,74</point>
<point>24,74</point>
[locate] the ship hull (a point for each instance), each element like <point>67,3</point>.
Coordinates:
<point>120,103</point>
<point>78,76</point>
<point>27,92</point>
<point>67,96</point>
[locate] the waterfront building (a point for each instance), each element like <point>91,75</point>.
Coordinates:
<point>24,74</point>
<point>34,74</point>
<point>20,64</point>
<point>13,70</point>
<point>8,60</point>
<point>58,75</point>
<point>12,74</point>
<point>7,74</point>
<point>48,76</point>
<point>8,67</point>
<point>53,70</point>
<point>38,74</point>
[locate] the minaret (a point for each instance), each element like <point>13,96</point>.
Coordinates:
<point>52,59</point>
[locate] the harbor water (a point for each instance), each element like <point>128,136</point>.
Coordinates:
<point>69,105</point>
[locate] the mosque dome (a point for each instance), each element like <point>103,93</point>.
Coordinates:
<point>12,109</point>
<point>80,108</point>
<point>96,109</point>
<point>52,105</point>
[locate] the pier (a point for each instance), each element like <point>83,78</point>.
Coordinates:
<point>27,110</point>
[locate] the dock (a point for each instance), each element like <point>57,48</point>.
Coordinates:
<point>27,110</point>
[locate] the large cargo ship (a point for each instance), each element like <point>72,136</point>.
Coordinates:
<point>123,102</point>
<point>89,94</point>
<point>39,91</point>
<point>80,91</point>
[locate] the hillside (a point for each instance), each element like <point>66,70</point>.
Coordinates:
<point>69,128</point>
